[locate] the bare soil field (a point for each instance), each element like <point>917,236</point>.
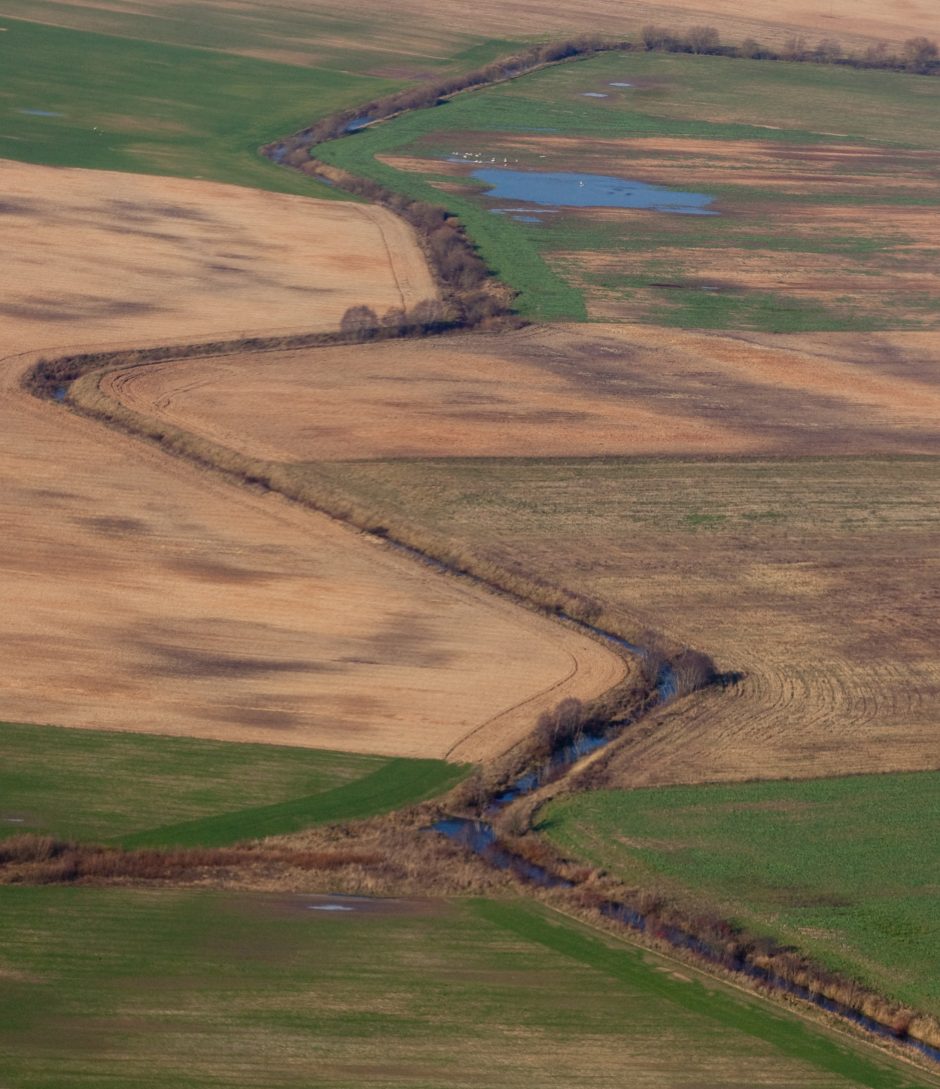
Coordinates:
<point>96,256</point>
<point>847,20</point>
<point>570,391</point>
<point>143,594</point>
<point>807,569</point>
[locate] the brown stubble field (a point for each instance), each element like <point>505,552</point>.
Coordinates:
<point>99,256</point>
<point>787,525</point>
<point>314,23</point>
<point>141,593</point>
<point>565,391</point>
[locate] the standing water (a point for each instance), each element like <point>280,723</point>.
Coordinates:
<point>571,190</point>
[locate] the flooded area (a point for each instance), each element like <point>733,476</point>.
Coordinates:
<point>564,189</point>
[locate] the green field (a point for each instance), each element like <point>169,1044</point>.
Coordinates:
<point>846,869</point>
<point>138,790</point>
<point>688,100</point>
<point>298,34</point>
<point>128,988</point>
<point>152,108</point>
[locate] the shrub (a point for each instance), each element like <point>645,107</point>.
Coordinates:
<point>359,322</point>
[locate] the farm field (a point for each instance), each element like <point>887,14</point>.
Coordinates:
<point>804,569</point>
<point>303,27</point>
<point>846,869</point>
<point>72,98</point>
<point>91,786</point>
<point>173,603</point>
<point>105,257</point>
<point>309,33</point>
<point>809,576</point>
<point>170,988</point>
<point>734,448</point>
<point>564,391</point>
<point>823,182</point>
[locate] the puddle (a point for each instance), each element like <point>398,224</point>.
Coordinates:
<point>358,123</point>
<point>329,907</point>
<point>594,94</point>
<point>570,190</point>
<point>524,211</point>
<point>41,113</point>
<point>621,84</point>
<point>517,215</point>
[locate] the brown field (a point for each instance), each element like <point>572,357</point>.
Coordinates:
<point>808,571</point>
<point>105,256</point>
<point>560,392</point>
<point>418,27</point>
<point>899,283</point>
<point>143,594</point>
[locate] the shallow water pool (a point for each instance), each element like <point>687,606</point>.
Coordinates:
<point>571,190</point>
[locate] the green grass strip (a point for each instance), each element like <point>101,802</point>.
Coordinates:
<point>790,1035</point>
<point>399,782</point>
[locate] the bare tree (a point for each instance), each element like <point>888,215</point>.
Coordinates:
<point>360,322</point>
<point>703,39</point>
<point>919,55</point>
<point>829,50</point>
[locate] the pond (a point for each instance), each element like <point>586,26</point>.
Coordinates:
<point>572,190</point>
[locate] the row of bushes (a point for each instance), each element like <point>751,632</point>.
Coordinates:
<point>918,54</point>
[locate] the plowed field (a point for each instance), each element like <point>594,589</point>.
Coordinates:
<point>142,594</point>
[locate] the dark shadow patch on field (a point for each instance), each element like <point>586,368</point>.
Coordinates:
<point>512,416</point>
<point>801,419</point>
<point>177,661</point>
<point>114,526</point>
<point>54,495</point>
<point>408,639</point>
<point>75,307</point>
<point>216,571</point>
<point>16,207</point>
<point>144,212</point>
<point>212,647</point>
<point>262,718</point>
